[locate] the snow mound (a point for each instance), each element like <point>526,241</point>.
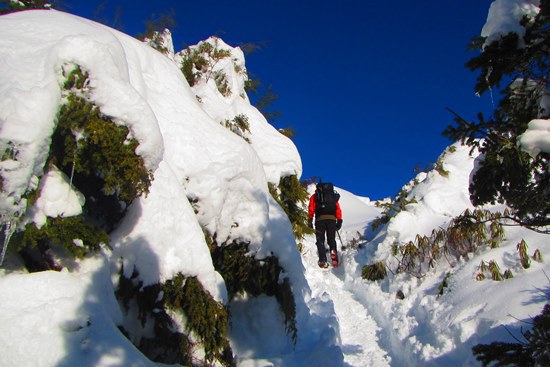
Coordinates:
<point>436,197</point>
<point>536,138</point>
<point>442,314</point>
<point>278,154</point>
<point>55,319</point>
<point>57,198</point>
<point>505,16</point>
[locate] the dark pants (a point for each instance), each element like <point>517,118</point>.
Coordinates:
<point>322,227</point>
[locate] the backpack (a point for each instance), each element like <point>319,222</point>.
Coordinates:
<point>326,199</point>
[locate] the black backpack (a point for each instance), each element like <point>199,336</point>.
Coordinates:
<point>326,199</point>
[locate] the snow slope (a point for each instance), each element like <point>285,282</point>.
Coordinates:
<point>424,329</point>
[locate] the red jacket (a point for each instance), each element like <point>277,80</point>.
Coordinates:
<point>312,206</point>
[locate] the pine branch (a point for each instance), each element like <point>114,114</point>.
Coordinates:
<point>519,223</point>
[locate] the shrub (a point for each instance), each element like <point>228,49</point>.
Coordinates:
<point>188,66</point>
<point>73,234</point>
<point>508,274</point>
<point>204,316</point>
<point>252,85</point>
<point>465,233</point>
<point>222,83</point>
<point>155,30</point>
<point>292,196</point>
<point>439,165</point>
<point>494,269</point>
<point>100,159</point>
<point>244,274</point>
<point>392,208</point>
<point>522,249</point>
<point>199,63</point>
<point>355,241</point>
<point>239,125</point>
<point>98,155</point>
<point>155,306</point>
<point>376,271</point>
<point>440,168</point>
<point>537,256</point>
<point>289,132</point>
<point>379,221</point>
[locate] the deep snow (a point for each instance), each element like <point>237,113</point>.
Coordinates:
<point>70,318</point>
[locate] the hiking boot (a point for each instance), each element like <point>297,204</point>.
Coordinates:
<point>334,258</point>
<point>323,264</point>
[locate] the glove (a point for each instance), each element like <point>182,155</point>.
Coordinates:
<point>338,224</point>
<point>310,223</point>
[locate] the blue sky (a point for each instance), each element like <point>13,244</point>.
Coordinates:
<point>365,84</point>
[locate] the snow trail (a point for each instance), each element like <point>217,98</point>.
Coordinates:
<point>358,334</point>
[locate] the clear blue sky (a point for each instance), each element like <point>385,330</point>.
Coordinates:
<point>365,84</point>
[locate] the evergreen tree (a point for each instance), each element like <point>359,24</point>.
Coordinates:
<point>534,351</point>
<point>506,173</point>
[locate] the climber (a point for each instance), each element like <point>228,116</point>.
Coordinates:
<point>323,204</point>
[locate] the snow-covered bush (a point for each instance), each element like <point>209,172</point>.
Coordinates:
<point>221,83</point>
<point>376,271</point>
<point>463,235</point>
<point>74,234</point>
<point>244,274</point>
<point>392,208</point>
<point>100,161</point>
<point>158,308</point>
<point>292,196</point>
<point>199,62</point>
<point>239,125</point>
<point>98,155</point>
<point>158,41</point>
